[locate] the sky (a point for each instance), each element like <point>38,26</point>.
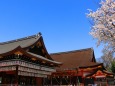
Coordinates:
<point>63,23</point>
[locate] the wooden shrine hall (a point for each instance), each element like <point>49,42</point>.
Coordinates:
<point>25,62</point>
<point>79,67</point>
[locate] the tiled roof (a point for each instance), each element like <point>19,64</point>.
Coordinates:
<point>23,42</point>
<point>75,59</point>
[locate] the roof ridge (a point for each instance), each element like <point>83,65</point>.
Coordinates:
<point>20,39</point>
<point>73,51</point>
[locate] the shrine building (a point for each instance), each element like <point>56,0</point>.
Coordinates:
<point>79,67</point>
<point>25,61</point>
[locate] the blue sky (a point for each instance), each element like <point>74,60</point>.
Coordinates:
<point>63,23</point>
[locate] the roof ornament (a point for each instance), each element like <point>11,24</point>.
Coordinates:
<point>38,35</point>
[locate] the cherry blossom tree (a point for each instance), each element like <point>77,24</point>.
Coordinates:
<point>103,28</point>
<point>107,58</point>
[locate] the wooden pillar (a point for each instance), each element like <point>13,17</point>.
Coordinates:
<point>51,81</point>
<point>16,76</point>
<point>43,81</point>
<point>60,80</point>
<point>70,80</point>
<point>3,76</point>
<point>76,80</point>
<point>83,80</point>
<point>94,80</point>
<point>39,81</point>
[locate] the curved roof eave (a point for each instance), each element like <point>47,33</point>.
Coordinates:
<point>108,73</point>
<point>43,58</point>
<point>93,65</point>
<point>20,49</point>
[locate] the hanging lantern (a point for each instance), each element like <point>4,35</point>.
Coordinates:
<point>34,59</point>
<point>18,52</point>
<point>1,57</point>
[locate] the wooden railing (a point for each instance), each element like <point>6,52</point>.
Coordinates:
<point>25,64</point>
